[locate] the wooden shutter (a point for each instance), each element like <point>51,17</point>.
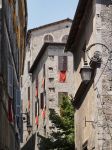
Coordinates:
<point>35,108</point>
<point>36,87</point>
<point>21,81</point>
<point>18,103</point>
<point>44,70</point>
<point>28,66</point>
<point>62,63</point>
<point>41,100</point>
<point>36,82</point>
<point>28,93</point>
<point>10,81</point>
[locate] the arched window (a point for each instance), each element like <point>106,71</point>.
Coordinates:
<point>64,38</point>
<point>48,38</point>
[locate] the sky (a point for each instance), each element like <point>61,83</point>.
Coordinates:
<point>41,12</point>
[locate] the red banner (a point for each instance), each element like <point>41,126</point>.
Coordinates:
<point>62,76</point>
<point>36,120</point>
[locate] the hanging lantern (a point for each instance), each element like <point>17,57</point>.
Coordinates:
<point>86,73</point>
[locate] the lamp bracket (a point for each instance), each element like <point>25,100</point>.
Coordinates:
<point>87,121</point>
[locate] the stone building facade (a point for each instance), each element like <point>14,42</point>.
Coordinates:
<point>13,23</point>
<point>90,41</point>
<point>43,75</point>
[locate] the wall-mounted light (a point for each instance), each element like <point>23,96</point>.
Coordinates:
<point>86,73</point>
<point>27,121</point>
<point>29,128</point>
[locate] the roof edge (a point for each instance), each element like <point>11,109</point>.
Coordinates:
<point>75,24</point>
<point>50,24</point>
<point>40,54</point>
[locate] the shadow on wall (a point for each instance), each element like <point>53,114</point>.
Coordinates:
<point>30,145</point>
<point>104,2</point>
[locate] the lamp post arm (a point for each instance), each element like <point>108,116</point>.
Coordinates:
<point>97,44</point>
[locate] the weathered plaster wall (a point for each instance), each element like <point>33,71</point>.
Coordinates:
<point>59,87</point>
<point>37,37</point>
<point>36,42</point>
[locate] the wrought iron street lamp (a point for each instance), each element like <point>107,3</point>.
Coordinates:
<point>86,73</point>
<point>29,128</point>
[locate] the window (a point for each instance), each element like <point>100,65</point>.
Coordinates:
<point>51,57</point>
<point>51,80</point>
<point>28,66</point>
<point>21,81</point>
<point>18,99</point>
<point>36,87</point>
<point>51,90</point>
<point>64,38</point>
<point>10,81</point>
<point>35,108</point>
<point>48,38</point>
<point>44,70</point>
<point>17,8</point>
<point>50,68</point>
<point>28,93</point>
<point>62,63</point>
<point>62,76</point>
<point>41,100</point>
<point>61,96</point>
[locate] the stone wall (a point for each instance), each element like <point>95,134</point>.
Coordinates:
<point>96,106</point>
<point>34,45</point>
<point>37,37</point>
<point>104,84</point>
<point>59,87</point>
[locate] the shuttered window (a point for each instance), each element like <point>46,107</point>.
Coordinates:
<point>36,87</point>
<point>28,93</point>
<point>44,70</point>
<point>48,38</point>
<point>64,39</point>
<point>36,82</point>
<point>62,63</point>
<point>41,100</point>
<point>35,108</point>
<point>28,66</point>
<point>18,103</point>
<point>10,81</point>
<point>21,81</point>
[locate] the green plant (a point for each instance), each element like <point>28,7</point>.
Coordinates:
<point>63,137</point>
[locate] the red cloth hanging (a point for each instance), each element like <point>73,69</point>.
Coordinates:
<point>10,111</point>
<point>28,105</point>
<point>43,82</point>
<point>43,113</point>
<point>36,120</point>
<point>62,76</point>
